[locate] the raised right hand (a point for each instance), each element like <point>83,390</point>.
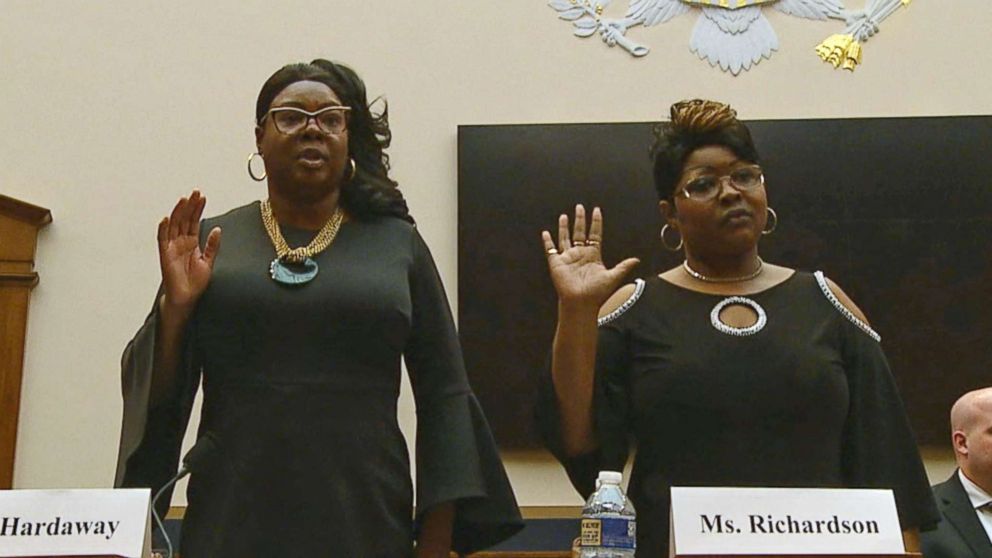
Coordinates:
<point>576,264</point>
<point>186,269</point>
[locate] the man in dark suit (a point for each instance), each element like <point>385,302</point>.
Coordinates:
<point>965,499</point>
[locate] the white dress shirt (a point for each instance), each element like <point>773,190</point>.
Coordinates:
<point>980,500</point>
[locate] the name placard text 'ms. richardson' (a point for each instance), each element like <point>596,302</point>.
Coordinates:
<point>729,521</point>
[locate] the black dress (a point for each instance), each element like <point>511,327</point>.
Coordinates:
<point>806,401</point>
<point>300,389</point>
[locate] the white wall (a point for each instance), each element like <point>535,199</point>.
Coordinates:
<point>111,110</point>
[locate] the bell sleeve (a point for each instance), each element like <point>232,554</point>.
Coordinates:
<point>879,449</point>
<point>457,458</point>
<point>151,437</point>
<point>610,412</point>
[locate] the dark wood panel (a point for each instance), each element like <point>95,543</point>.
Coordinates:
<point>897,211</point>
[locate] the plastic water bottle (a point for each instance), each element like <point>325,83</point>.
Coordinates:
<point>609,528</point>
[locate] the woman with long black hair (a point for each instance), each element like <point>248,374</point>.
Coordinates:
<point>297,323</point>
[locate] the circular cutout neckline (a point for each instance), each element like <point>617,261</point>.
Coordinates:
<point>752,329</point>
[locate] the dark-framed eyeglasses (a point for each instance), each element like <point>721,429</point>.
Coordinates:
<point>331,120</point>
<point>707,186</point>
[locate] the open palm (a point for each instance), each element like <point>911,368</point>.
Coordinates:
<point>186,269</point>
<point>576,263</point>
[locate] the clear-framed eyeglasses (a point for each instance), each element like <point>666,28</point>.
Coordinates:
<point>331,120</point>
<point>707,186</point>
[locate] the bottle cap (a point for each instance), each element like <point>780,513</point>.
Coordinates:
<point>609,477</point>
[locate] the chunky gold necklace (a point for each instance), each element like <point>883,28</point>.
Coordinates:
<point>301,256</point>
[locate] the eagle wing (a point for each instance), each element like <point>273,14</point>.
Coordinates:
<point>811,9</point>
<point>653,12</point>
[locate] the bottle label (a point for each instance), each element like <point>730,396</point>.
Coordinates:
<point>609,532</point>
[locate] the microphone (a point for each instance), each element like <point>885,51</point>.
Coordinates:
<point>194,460</point>
<point>198,455</point>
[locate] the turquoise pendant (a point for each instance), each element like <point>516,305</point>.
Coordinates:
<point>293,274</point>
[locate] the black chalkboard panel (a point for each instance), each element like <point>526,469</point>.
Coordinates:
<point>898,211</point>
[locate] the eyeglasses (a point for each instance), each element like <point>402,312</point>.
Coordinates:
<point>707,187</point>
<point>330,120</point>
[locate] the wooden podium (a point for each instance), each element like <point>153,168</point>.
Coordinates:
<point>19,225</point>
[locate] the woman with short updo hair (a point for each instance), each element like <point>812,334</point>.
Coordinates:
<point>723,371</point>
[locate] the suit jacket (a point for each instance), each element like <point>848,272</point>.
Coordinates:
<point>960,534</point>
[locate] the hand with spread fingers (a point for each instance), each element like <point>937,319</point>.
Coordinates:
<point>186,269</point>
<point>576,263</point>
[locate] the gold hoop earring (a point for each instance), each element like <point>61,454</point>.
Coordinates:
<point>354,168</point>
<point>251,173</point>
<point>666,244</point>
<point>774,219</point>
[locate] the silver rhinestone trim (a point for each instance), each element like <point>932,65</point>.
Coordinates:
<point>825,287</point>
<point>638,291</point>
<point>738,331</point>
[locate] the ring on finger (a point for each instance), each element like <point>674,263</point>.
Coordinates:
<point>552,251</point>
<point>578,243</point>
<point>592,243</point>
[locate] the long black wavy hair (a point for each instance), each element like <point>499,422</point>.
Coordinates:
<point>371,192</point>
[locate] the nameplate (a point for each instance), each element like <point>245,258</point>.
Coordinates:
<point>793,521</point>
<point>87,522</point>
